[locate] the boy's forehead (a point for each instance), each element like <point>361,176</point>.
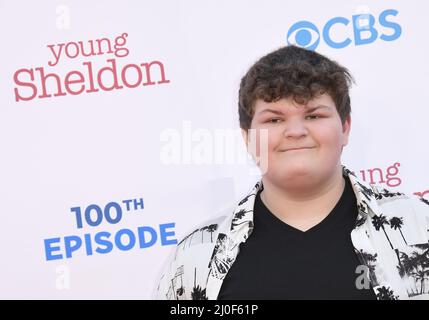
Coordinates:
<point>315,103</point>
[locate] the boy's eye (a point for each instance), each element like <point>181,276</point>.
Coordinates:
<point>313,116</point>
<point>310,117</point>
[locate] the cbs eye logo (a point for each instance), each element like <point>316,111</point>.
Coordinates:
<point>306,34</point>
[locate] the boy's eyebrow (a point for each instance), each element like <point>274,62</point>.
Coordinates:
<point>321,106</point>
<point>308,110</point>
<point>270,110</point>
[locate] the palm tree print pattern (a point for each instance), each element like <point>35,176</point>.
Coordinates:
<point>390,227</point>
<point>416,266</point>
<point>384,293</point>
<point>223,256</point>
<point>396,224</point>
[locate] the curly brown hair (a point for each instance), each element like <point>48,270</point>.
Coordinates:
<point>294,72</point>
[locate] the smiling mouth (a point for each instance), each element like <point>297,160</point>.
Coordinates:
<point>294,149</point>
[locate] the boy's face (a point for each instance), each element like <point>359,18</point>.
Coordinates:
<point>303,141</point>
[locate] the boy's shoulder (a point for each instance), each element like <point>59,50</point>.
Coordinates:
<point>219,222</point>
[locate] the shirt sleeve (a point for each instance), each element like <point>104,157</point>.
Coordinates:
<point>162,289</point>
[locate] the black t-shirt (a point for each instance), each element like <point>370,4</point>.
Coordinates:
<point>279,261</point>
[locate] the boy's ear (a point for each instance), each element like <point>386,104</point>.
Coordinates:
<point>346,130</point>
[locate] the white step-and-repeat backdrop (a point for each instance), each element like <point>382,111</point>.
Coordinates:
<point>119,125</point>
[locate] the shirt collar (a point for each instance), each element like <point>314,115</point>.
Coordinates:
<point>242,219</point>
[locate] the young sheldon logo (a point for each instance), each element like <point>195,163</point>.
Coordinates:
<point>32,83</point>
